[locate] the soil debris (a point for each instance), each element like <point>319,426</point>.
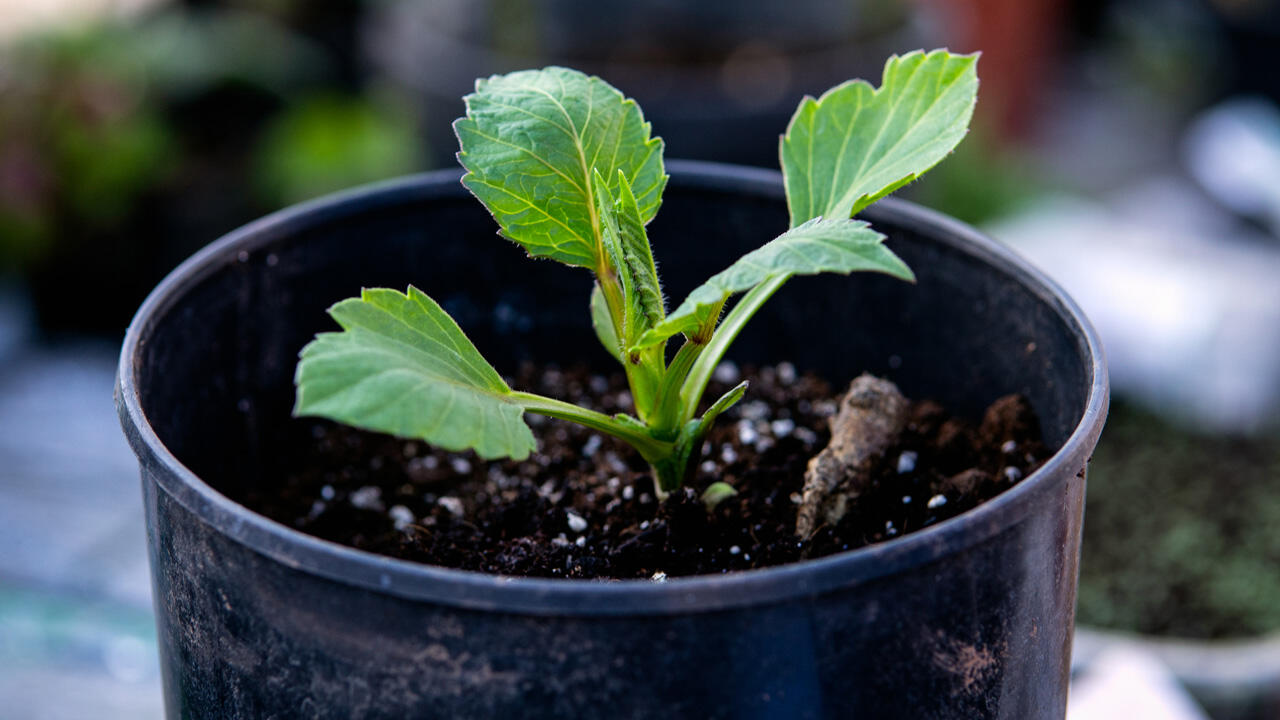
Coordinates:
<point>871,417</point>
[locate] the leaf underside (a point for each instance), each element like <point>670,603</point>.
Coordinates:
<point>402,366</point>
<point>818,246</point>
<point>856,144</point>
<point>530,143</point>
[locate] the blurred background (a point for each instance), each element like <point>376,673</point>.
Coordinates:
<point>1131,148</point>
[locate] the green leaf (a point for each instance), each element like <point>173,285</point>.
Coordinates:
<point>602,321</point>
<point>818,246</point>
<point>401,365</point>
<point>530,141</point>
<point>725,401</point>
<point>856,144</point>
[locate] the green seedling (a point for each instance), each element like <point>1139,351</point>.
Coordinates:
<point>567,166</point>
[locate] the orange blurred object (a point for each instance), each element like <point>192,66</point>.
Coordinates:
<point>1019,40</point>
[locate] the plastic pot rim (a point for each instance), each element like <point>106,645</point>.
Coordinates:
<point>700,593</point>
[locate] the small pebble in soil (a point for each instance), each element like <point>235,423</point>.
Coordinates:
<point>461,466</point>
<point>782,428</point>
<point>615,463</point>
<point>401,516</point>
<point>581,541</point>
<point>327,492</point>
<point>754,410</point>
<point>659,576</point>
<point>592,444</point>
<point>726,372</point>
<point>734,549</point>
<point>628,492</point>
<point>786,373</point>
<point>936,502</point>
<point>747,432</point>
<point>708,466</point>
<point>728,454</point>
<point>451,504</point>
<point>907,462</point>
<point>576,522</point>
<point>1013,474</point>
<point>368,497</point>
<point>1009,447</point>
<point>906,499</point>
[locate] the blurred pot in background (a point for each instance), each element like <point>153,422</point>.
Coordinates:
<point>1179,558</point>
<point>719,79</point>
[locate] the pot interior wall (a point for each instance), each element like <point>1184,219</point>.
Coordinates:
<point>217,375</point>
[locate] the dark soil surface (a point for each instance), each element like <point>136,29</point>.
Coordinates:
<point>583,506</point>
<point>1182,530</point>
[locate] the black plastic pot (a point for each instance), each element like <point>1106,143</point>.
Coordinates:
<point>970,618</point>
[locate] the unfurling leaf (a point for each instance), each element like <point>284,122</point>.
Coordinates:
<point>817,246</point>
<point>856,144</point>
<point>402,366</point>
<point>638,254</point>
<point>629,259</point>
<point>530,142</point>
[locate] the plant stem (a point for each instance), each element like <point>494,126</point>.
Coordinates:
<point>649,447</point>
<point>668,475</point>
<point>700,374</point>
<point>667,418</point>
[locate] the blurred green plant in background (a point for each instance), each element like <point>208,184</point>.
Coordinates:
<point>127,144</point>
<point>329,142</point>
<point>983,180</point>
<point>80,139</point>
<point>1182,531</point>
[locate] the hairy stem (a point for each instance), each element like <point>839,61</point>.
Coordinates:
<point>696,384</point>
<point>666,420</point>
<point>649,447</point>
